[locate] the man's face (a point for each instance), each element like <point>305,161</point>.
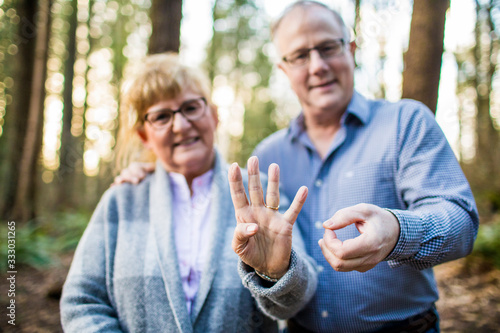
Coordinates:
<point>323,84</point>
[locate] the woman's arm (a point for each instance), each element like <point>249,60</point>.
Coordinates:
<point>85,302</point>
<point>274,265</point>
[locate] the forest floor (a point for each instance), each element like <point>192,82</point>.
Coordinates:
<point>469,301</point>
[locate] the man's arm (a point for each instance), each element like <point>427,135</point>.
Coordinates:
<point>440,222</point>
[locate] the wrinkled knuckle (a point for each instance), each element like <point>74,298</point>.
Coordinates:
<point>338,265</point>
<point>254,188</point>
<point>239,191</point>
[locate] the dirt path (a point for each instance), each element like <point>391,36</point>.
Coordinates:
<point>37,299</point>
<point>469,302</point>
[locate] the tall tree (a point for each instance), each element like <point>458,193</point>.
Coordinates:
<point>69,151</point>
<point>17,112</point>
<point>237,54</point>
<point>487,160</point>
<point>166,18</point>
<point>424,56</point>
<point>24,206</point>
<point>357,17</point>
<point>477,73</point>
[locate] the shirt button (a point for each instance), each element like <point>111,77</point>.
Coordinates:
<point>318,183</point>
<point>324,313</point>
<point>320,268</point>
<point>318,225</point>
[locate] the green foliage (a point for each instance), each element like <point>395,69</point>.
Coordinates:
<point>487,245</point>
<point>237,54</point>
<point>38,243</point>
<point>66,229</point>
<point>31,246</point>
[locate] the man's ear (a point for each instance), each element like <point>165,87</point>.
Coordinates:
<point>215,113</point>
<point>282,67</point>
<point>143,136</point>
<point>352,47</point>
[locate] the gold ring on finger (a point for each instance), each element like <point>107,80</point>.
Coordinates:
<point>271,207</point>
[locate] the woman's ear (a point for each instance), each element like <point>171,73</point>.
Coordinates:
<point>143,136</point>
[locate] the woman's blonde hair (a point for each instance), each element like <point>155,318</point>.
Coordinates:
<point>160,77</point>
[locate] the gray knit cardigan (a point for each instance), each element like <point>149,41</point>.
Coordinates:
<point>125,276</point>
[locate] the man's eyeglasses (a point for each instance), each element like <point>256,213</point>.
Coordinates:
<point>326,50</point>
<point>191,110</point>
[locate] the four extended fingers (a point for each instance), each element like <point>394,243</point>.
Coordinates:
<point>240,199</point>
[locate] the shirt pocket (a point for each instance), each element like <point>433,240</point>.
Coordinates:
<point>372,183</point>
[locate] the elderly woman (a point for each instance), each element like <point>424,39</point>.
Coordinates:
<point>156,256</point>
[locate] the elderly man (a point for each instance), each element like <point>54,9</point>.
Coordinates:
<point>387,199</point>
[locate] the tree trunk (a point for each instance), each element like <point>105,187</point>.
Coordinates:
<point>357,18</point>
<point>17,112</point>
<point>69,152</point>
<point>424,55</point>
<point>166,18</point>
<point>488,138</point>
<point>24,206</point>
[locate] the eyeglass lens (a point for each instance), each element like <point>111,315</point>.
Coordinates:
<point>191,110</point>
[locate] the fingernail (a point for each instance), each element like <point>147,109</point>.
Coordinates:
<point>252,228</point>
<point>327,224</point>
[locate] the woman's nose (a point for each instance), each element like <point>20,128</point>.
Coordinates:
<point>179,122</point>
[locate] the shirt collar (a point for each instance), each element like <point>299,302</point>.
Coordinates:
<point>358,108</point>
<point>200,184</point>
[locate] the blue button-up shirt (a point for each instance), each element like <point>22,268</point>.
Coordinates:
<point>393,155</point>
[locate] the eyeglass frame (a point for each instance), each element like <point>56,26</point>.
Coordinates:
<point>343,44</point>
<point>179,110</point>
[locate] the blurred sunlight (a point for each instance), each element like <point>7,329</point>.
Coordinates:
<point>382,40</point>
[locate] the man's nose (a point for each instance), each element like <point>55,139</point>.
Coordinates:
<point>316,62</point>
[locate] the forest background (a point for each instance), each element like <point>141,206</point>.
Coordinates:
<point>63,64</point>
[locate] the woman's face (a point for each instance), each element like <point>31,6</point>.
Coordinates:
<point>182,146</point>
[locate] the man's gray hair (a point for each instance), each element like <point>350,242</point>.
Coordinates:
<point>307,4</point>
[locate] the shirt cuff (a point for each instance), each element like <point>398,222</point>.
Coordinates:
<point>264,288</point>
<point>411,233</point>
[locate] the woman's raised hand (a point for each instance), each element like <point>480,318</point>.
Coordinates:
<point>263,236</point>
